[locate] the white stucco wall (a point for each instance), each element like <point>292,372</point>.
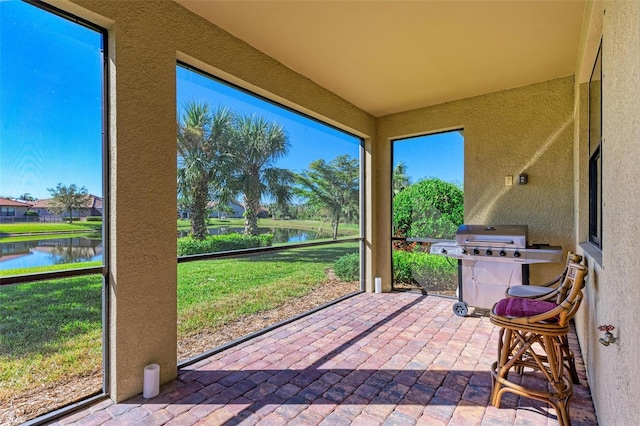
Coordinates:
<point>612,291</point>
<point>524,130</point>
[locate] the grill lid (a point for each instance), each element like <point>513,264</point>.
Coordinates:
<point>493,235</point>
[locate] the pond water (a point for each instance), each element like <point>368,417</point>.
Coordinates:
<point>28,254</point>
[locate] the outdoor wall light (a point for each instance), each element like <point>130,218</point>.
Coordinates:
<point>523,179</point>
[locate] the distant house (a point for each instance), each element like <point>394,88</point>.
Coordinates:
<point>12,209</point>
<point>93,207</point>
<point>263,213</point>
<point>235,210</point>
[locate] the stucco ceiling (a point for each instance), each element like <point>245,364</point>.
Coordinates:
<point>393,56</point>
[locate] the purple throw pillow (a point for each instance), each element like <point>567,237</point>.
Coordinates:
<point>519,307</point>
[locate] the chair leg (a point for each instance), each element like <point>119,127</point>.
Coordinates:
<point>515,350</point>
<point>497,368</point>
<point>562,387</point>
<point>570,359</point>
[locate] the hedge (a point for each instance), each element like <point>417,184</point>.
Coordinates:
<point>220,243</point>
<point>347,267</point>
<point>419,267</point>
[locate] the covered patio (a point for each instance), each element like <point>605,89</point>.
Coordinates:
<point>398,358</point>
<point>562,109</point>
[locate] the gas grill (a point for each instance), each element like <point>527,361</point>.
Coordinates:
<point>491,258</point>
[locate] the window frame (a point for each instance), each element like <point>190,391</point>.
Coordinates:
<point>595,155</point>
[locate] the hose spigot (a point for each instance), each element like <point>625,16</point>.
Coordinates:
<point>608,337</point>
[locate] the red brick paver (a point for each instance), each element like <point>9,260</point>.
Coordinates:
<point>373,359</point>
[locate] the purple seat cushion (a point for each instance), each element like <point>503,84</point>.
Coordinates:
<point>517,307</point>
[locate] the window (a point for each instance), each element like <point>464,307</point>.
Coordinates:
<point>8,211</point>
<point>595,152</point>
<point>52,270</point>
<point>268,208</point>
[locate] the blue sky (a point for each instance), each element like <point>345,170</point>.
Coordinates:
<point>438,155</point>
<point>50,102</point>
<point>51,111</point>
<point>309,139</point>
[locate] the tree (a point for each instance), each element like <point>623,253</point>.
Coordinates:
<point>256,144</point>
<point>333,185</point>
<point>66,199</point>
<point>27,197</point>
<point>400,180</point>
<point>203,162</point>
<point>428,208</point>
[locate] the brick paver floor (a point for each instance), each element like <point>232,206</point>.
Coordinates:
<point>373,359</point>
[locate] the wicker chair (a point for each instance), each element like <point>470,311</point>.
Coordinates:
<point>546,291</point>
<point>551,291</point>
<point>531,336</point>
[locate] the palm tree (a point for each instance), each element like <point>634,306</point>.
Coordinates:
<point>400,178</point>
<point>202,160</point>
<point>334,186</point>
<point>256,146</point>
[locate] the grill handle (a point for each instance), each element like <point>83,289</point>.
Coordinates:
<point>486,242</point>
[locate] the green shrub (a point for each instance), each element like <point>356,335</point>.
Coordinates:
<point>402,267</point>
<point>266,240</point>
<point>93,218</point>
<point>31,213</point>
<point>428,208</point>
<point>220,243</point>
<point>347,267</point>
<point>419,267</point>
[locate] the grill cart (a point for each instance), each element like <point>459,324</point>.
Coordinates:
<point>491,258</point>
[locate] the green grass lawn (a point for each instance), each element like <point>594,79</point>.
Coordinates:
<point>213,292</point>
<point>45,228</point>
<point>50,268</point>
<point>52,330</point>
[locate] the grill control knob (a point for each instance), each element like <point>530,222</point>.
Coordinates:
<point>476,251</point>
<point>488,252</point>
<point>516,254</point>
<point>503,253</point>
